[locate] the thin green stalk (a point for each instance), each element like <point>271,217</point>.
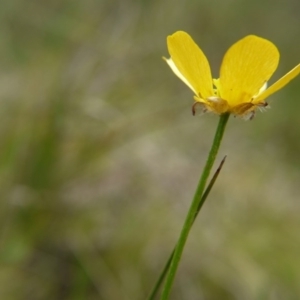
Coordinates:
<point>197,201</point>
<point>166,267</point>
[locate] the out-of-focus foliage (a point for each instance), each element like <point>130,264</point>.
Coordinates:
<point>100,155</point>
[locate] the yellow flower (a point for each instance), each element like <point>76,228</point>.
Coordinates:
<point>245,70</point>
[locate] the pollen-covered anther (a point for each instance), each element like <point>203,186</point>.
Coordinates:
<point>214,99</point>
<point>217,104</point>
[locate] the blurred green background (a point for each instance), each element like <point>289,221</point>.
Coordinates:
<point>100,155</point>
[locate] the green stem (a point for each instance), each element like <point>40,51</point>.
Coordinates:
<point>167,265</point>
<point>197,202</point>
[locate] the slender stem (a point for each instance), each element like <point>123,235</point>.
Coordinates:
<point>166,267</point>
<point>194,206</point>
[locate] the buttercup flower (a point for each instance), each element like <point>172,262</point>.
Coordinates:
<point>245,70</point>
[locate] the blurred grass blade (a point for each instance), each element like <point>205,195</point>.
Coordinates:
<point>203,198</point>
<point>210,186</point>
<point>161,277</point>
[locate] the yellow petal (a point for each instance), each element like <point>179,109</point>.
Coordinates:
<point>171,64</point>
<point>191,63</point>
<point>279,84</point>
<point>246,67</point>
